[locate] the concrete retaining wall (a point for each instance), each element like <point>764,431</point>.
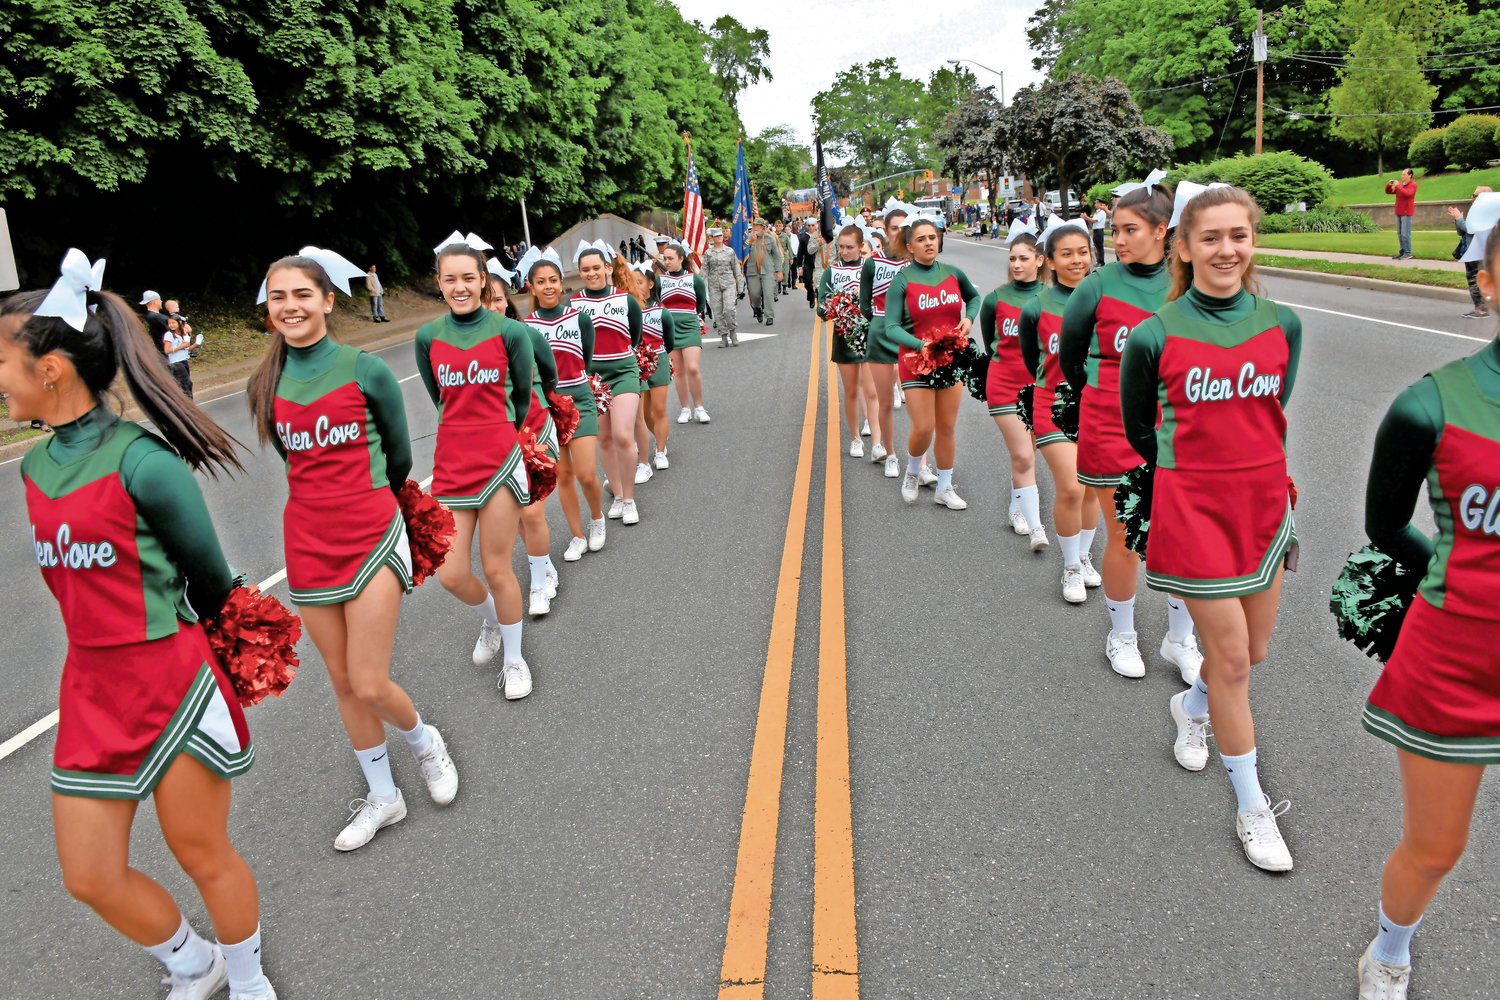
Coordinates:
<point>1429,214</point>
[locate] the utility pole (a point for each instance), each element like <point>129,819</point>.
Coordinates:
<point>1260,80</point>
<point>525,222</point>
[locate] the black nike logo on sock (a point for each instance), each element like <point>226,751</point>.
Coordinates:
<point>178,947</point>
<point>374,759</point>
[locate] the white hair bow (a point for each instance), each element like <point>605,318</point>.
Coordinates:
<point>532,257</point>
<point>901,207</point>
<point>499,271</point>
<point>1019,229</point>
<point>1153,179</point>
<point>645,267</point>
<point>1055,227</point>
<point>1186,192</point>
<point>584,246</point>
<point>471,241</point>
<point>1480,221</point>
<point>68,299</point>
<point>338,269</point>
<point>925,215</point>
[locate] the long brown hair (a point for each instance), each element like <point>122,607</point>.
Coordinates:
<point>261,391</point>
<point>1182,270</point>
<point>113,342</point>
<point>623,276</point>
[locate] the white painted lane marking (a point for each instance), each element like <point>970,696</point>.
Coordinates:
<point>1387,322</point>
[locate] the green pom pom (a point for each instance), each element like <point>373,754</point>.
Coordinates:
<point>1369,601</point>
<point>1023,405</point>
<point>1133,506</point>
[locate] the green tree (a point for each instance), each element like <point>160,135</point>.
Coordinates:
<point>869,116</point>
<point>777,162</point>
<point>967,141</point>
<point>947,88</point>
<point>1383,99</point>
<point>738,55</point>
<point>1473,81</point>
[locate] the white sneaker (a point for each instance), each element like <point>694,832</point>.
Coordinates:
<point>630,515</point>
<point>1380,980</point>
<point>643,473</point>
<point>684,415</point>
<point>660,460</point>
<point>576,548</point>
<point>1039,540</point>
<point>1074,591</point>
<point>616,509</point>
<point>949,498</point>
<point>1261,836</point>
<point>488,644</point>
<point>367,818</point>
<point>1191,745</point>
<point>1124,655</point>
<point>700,415</point>
<point>1018,523</point>
<point>856,448</point>
<point>541,604</point>
<point>1091,577</point>
<point>270,994</point>
<point>900,398</point>
<point>927,477</point>
<point>604,485</point>
<point>909,488</point>
<point>552,583</point>
<point>214,979</point>
<point>864,429</point>
<point>878,453</point>
<point>515,679</point>
<point>1184,655</point>
<point>438,770</point>
<point>892,467</point>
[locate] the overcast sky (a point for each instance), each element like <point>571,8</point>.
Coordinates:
<point>812,40</point>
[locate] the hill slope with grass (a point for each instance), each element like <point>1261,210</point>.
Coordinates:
<point>1450,186</point>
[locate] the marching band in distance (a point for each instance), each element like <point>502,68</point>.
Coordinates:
<point>1155,389</point>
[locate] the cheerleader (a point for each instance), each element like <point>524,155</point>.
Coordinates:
<point>1438,699</point>
<point>658,333</point>
<point>926,300</point>
<point>144,708</point>
<point>875,277</point>
<point>477,368</point>
<point>616,318</point>
<point>1066,248</point>
<point>680,290</point>
<point>535,533</point>
<point>1099,317</point>
<point>1220,361</point>
<point>842,277</point>
<point>999,325</point>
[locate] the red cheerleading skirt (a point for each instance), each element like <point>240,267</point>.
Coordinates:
<point>336,545</point>
<point>1218,532</point>
<point>1042,426</point>
<point>1104,453</point>
<point>1005,381</point>
<point>471,461</point>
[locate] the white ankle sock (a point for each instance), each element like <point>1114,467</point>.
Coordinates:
<point>375,763</point>
<point>538,566</point>
<point>1030,506</point>
<point>945,479</point>
<point>913,465</point>
<point>418,737</point>
<point>1179,621</point>
<point>1393,942</point>
<point>1069,546</point>
<point>243,961</point>
<point>1246,780</point>
<point>510,637</point>
<point>1196,702</point>
<point>1015,501</point>
<point>486,609</point>
<point>185,954</point>
<point>1121,615</point>
<point>1086,540</point>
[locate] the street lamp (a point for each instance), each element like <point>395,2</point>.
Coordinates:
<point>998,72</point>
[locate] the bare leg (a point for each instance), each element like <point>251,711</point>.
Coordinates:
<point>192,806</point>
<point>499,521</point>
<point>945,418</point>
<point>1235,633</point>
<point>692,357</point>
<point>456,574</point>
<point>884,377</point>
<point>1068,494</point>
<point>679,380</point>
<point>1121,568</point>
<point>849,375</point>
<point>1022,448</point>
<point>1438,807</point>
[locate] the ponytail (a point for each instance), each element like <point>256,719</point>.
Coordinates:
<point>261,391</point>
<point>623,275</point>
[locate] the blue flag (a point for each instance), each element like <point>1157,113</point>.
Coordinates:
<point>828,201</point>
<point>739,233</point>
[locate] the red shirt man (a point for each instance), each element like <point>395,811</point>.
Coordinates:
<point>1405,191</point>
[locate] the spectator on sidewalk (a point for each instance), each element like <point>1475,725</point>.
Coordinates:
<point>156,320</point>
<point>1405,191</point>
<point>377,296</point>
<point>1471,269</point>
<point>1101,219</point>
<point>177,345</point>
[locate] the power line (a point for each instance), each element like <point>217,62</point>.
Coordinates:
<point>1195,83</point>
<point>1382,114</point>
<point>1376,68</point>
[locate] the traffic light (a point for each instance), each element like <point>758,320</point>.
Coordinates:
<point>927,176</point>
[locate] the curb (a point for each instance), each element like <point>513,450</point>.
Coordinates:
<point>1367,284</point>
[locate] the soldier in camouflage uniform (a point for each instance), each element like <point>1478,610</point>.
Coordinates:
<point>764,268</point>
<point>721,273</point>
<point>814,259</point>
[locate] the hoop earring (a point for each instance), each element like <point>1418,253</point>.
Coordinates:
<point>48,386</point>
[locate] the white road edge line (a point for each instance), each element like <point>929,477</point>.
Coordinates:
<point>45,723</point>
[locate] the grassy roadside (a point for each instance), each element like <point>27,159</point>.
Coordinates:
<point>1406,275</point>
<point>1452,186</point>
<point>1425,244</point>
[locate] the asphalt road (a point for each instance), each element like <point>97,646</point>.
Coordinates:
<point>1019,828</point>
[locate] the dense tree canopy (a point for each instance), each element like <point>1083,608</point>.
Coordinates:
<point>777,161</point>
<point>1380,92</point>
<point>870,117</point>
<point>739,56</point>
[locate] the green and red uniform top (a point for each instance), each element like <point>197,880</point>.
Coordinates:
<point>1000,320</point>
<point>570,335</point>
<point>926,300</point>
<point>1444,431</point>
<point>875,276</point>
<point>616,317</point>
<point>658,328</point>
<point>838,278</point>
<point>1221,371</point>
<point>1041,333</point>
<point>1102,311</point>
<point>681,292</point>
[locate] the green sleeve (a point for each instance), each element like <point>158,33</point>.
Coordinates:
<point>1026,330</point>
<point>168,499</point>
<point>633,317</point>
<point>972,298</point>
<point>388,410</point>
<point>668,330</point>
<point>586,330</point>
<point>987,321</point>
<point>700,289</point>
<point>898,324</point>
<point>866,289</point>
<point>656,284</point>
<point>520,365</point>
<point>546,364</point>
<point>1138,385</point>
<point>1078,330</point>
<point>1403,454</point>
<point>1291,325</point>
<point>423,346</point>
<point>825,292</point>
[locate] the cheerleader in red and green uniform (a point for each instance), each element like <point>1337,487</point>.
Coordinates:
<point>926,300</point>
<point>1000,326</point>
<point>1220,363</point>
<point>477,368</point>
<point>1100,315</point>
<point>842,278</point>
<point>875,277</point>
<point>1438,699</point>
<point>658,333</point>
<point>616,318</point>
<point>680,290</point>
<point>1067,249</point>
<point>124,542</point>
<point>570,334</point>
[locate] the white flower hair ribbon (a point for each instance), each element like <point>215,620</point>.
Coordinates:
<point>499,271</point>
<point>1186,192</point>
<point>1055,227</point>
<point>471,241</point>
<point>1153,179</point>
<point>68,299</point>
<point>584,246</point>
<point>924,215</point>
<point>1018,230</point>
<point>337,267</point>
<point>645,267</point>
<point>532,257</point>
<point>1480,221</point>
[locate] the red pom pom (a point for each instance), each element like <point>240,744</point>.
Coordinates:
<point>565,416</point>
<point>541,468</point>
<point>255,638</point>
<point>939,352</point>
<point>647,362</point>
<point>603,394</point>
<point>429,530</point>
<point>1291,491</point>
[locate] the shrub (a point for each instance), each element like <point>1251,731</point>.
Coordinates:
<point>1470,140</point>
<point>1275,223</point>
<point>1333,219</point>
<point>1427,151</point>
<point>1100,190</point>
<point>1274,180</point>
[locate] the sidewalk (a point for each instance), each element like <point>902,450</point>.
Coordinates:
<point>1359,258</point>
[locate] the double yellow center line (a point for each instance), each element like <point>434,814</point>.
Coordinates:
<point>835,951</point>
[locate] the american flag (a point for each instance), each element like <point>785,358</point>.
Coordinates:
<point>694,230</point>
